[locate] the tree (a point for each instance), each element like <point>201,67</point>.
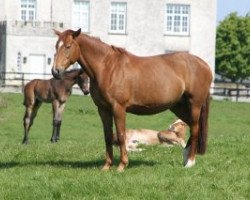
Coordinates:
<point>233,48</point>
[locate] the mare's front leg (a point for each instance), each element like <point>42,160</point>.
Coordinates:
<point>120,121</point>
<point>107,121</point>
<point>30,114</point>
<point>58,109</point>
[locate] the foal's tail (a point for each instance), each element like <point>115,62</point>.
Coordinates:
<point>203,127</point>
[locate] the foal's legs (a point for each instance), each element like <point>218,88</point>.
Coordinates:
<point>107,121</point>
<point>58,109</point>
<point>30,114</point>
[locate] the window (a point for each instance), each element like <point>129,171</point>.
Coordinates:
<point>177,19</point>
<point>80,15</point>
<point>28,10</point>
<point>118,14</point>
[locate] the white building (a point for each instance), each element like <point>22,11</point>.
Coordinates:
<point>143,27</point>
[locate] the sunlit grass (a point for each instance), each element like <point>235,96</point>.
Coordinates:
<point>70,169</point>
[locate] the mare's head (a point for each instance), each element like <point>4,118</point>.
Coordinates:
<point>83,83</point>
<point>67,51</point>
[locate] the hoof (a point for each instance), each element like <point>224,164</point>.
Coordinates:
<point>53,141</point>
<point>25,142</point>
<point>190,163</point>
<point>121,167</point>
<point>106,167</point>
<point>186,161</point>
<point>185,154</point>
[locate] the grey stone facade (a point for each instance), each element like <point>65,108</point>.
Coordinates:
<point>25,44</point>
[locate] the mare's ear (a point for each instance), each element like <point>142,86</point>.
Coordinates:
<point>76,33</point>
<point>57,32</point>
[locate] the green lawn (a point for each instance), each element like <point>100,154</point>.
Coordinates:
<point>70,169</point>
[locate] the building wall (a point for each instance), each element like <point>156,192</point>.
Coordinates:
<point>27,46</point>
<point>2,10</point>
<point>203,31</point>
<point>145,28</point>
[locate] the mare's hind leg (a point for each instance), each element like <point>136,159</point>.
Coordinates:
<point>186,113</point>
<point>189,111</point>
<point>183,110</point>
<point>191,147</point>
<point>58,109</point>
<point>28,119</point>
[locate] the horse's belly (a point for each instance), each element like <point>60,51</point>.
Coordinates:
<point>147,110</point>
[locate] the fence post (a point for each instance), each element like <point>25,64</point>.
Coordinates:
<point>237,92</point>
<point>22,78</point>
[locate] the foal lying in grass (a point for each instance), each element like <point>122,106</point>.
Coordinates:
<point>175,134</point>
<point>51,91</point>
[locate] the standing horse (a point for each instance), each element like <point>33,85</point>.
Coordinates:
<point>51,91</point>
<point>121,82</point>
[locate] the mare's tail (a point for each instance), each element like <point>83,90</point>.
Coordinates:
<point>203,127</point>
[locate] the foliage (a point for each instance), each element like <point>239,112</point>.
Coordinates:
<point>233,48</point>
<point>70,169</point>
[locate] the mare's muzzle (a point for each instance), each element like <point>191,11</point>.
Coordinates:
<point>57,73</point>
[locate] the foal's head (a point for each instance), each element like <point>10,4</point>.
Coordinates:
<point>83,83</point>
<point>67,51</point>
<point>178,128</point>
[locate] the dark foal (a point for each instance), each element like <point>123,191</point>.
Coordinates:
<point>51,91</point>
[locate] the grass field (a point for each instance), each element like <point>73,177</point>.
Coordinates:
<point>70,169</point>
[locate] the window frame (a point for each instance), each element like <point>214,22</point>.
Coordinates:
<point>177,19</point>
<point>26,9</point>
<point>87,11</point>
<point>118,12</point>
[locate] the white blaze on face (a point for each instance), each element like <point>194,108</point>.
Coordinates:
<point>60,44</point>
<point>58,47</point>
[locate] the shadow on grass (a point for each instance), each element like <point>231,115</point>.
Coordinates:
<point>73,164</point>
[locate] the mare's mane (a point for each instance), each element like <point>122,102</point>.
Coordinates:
<point>118,49</point>
<point>99,41</point>
<point>94,39</point>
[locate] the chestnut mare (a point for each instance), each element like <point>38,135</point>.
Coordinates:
<point>121,82</point>
<point>51,91</point>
